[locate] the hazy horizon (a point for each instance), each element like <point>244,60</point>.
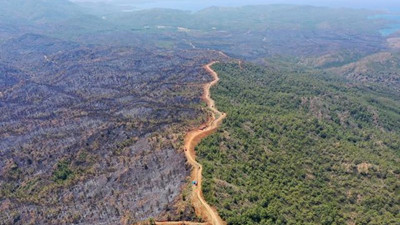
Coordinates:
<point>389,5</point>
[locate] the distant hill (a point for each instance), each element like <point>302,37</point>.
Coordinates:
<point>59,18</point>
<point>380,68</point>
<point>37,11</point>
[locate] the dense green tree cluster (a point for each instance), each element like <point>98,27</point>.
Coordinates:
<point>302,148</point>
<point>62,172</point>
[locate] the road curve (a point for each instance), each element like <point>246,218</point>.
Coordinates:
<point>202,208</point>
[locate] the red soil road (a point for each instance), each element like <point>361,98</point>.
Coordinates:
<point>202,208</point>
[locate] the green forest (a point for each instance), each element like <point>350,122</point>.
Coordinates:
<point>302,147</point>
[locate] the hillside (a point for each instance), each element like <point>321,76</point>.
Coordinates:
<point>92,134</point>
<point>257,32</point>
<point>380,68</point>
<point>302,148</point>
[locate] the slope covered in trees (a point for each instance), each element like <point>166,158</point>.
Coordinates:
<point>302,148</point>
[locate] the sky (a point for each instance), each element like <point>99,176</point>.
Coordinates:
<point>389,5</point>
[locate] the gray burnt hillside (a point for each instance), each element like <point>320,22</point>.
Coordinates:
<point>90,134</point>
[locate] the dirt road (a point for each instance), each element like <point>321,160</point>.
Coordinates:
<point>202,208</point>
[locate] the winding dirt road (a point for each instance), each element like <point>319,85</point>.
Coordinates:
<point>202,208</point>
